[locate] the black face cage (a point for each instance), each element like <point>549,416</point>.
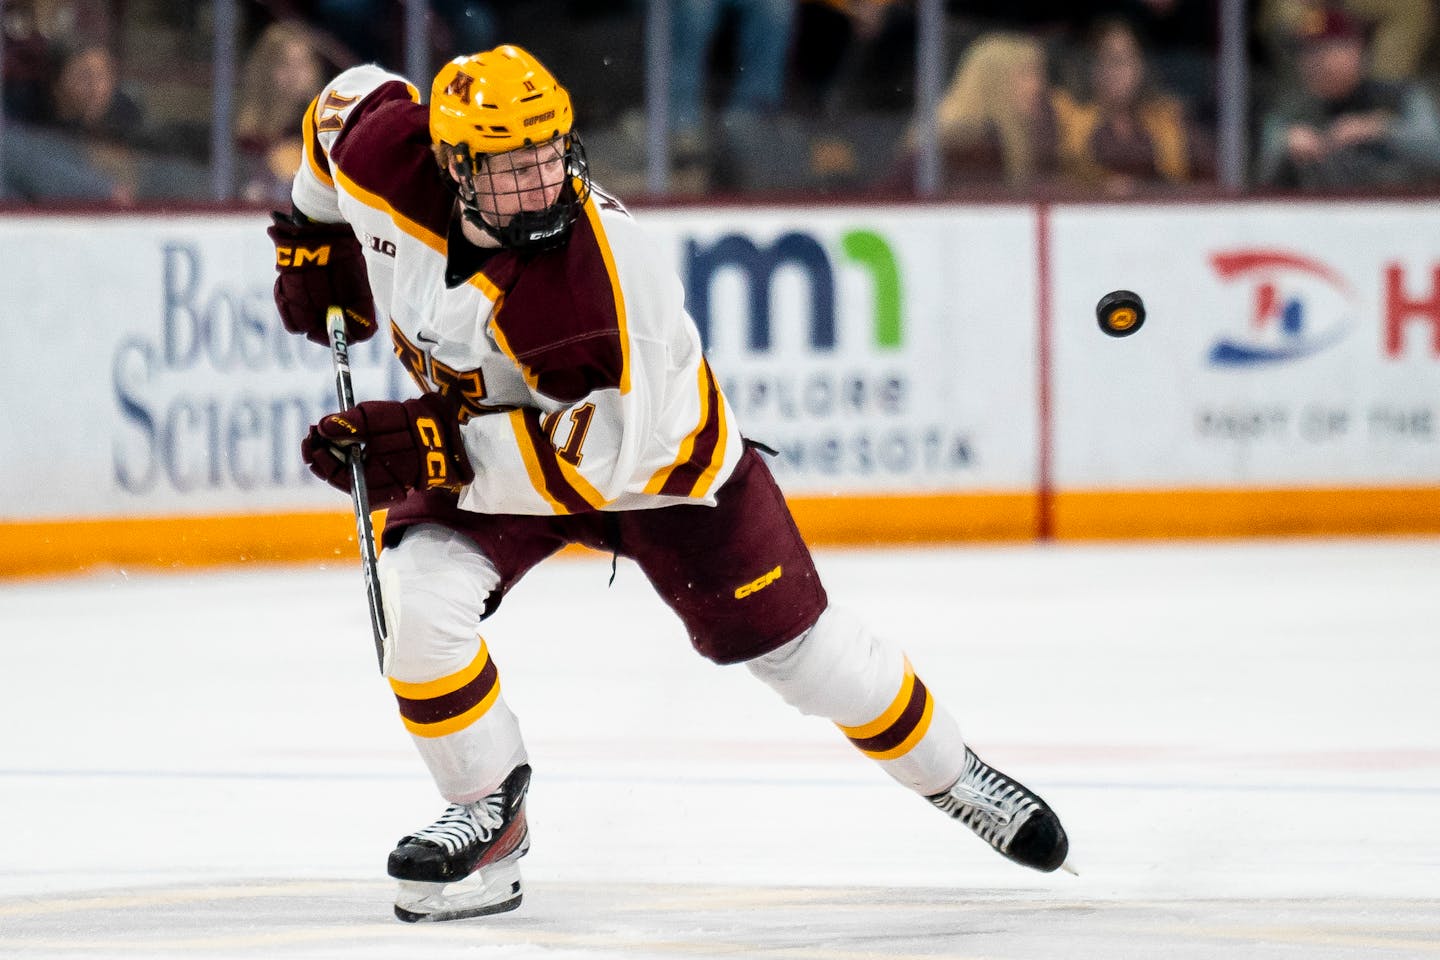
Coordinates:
<point>532,228</point>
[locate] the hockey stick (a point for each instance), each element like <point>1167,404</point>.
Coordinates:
<point>359,492</point>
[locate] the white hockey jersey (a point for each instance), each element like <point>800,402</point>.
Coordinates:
<point>577,372</point>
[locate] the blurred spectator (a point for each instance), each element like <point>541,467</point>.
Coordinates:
<point>35,33</point>
<point>851,80</point>
<point>832,41</point>
<point>31,33</point>
<point>1401,30</point>
<point>996,121</point>
<point>1341,128</point>
<point>1116,131</point>
<point>87,97</point>
<point>77,139</point>
<point>282,74</point>
<point>762,47</point>
<point>1180,39</point>
<point>60,21</point>
<point>1401,33</point>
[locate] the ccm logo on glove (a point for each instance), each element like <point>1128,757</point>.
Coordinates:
<point>299,256</point>
<point>318,265</point>
<point>411,445</point>
<point>437,469</point>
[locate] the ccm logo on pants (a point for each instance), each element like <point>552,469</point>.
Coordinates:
<point>758,584</point>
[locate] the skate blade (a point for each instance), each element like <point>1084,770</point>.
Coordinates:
<point>495,889</point>
<point>440,916</point>
<point>1069,869</point>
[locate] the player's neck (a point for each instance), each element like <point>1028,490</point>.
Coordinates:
<point>468,249</point>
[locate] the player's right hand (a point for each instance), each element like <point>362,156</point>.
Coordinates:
<point>320,265</point>
<point>408,445</point>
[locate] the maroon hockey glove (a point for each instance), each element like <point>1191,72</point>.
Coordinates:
<point>320,265</point>
<point>412,445</point>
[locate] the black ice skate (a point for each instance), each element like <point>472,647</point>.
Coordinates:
<point>1005,814</point>
<point>466,864</point>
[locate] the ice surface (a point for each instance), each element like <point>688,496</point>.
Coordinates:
<point>1242,739</point>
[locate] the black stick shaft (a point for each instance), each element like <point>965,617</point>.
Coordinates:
<point>359,492</point>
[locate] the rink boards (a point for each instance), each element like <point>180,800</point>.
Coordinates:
<point>924,373</point>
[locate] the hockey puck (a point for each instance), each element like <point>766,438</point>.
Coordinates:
<point>1120,313</point>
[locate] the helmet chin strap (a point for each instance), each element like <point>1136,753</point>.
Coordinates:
<point>527,230</point>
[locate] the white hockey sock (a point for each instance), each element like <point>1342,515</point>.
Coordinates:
<point>841,671</point>
<point>435,584</point>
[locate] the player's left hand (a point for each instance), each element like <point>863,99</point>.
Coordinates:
<point>318,265</point>
<point>407,445</point>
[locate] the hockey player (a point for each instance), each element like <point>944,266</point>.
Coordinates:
<point>565,400</point>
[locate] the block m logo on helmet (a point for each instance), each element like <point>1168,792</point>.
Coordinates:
<point>803,254</point>
<point>459,87</point>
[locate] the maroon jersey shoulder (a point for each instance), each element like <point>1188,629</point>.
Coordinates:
<point>561,317</point>
<point>385,150</point>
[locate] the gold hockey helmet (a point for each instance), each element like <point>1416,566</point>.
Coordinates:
<point>497,101</point>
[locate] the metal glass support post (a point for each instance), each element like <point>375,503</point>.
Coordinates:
<point>657,97</point>
<point>417,46</point>
<point>929,51</point>
<point>223,78</point>
<point>1233,96</point>
<point>2,115</point>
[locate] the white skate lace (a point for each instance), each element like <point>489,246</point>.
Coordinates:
<point>988,803</point>
<point>464,824</point>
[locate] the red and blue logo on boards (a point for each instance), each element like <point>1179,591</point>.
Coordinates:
<point>1299,306</point>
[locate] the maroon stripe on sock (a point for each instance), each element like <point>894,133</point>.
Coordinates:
<point>451,704</point>
<point>895,734</point>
